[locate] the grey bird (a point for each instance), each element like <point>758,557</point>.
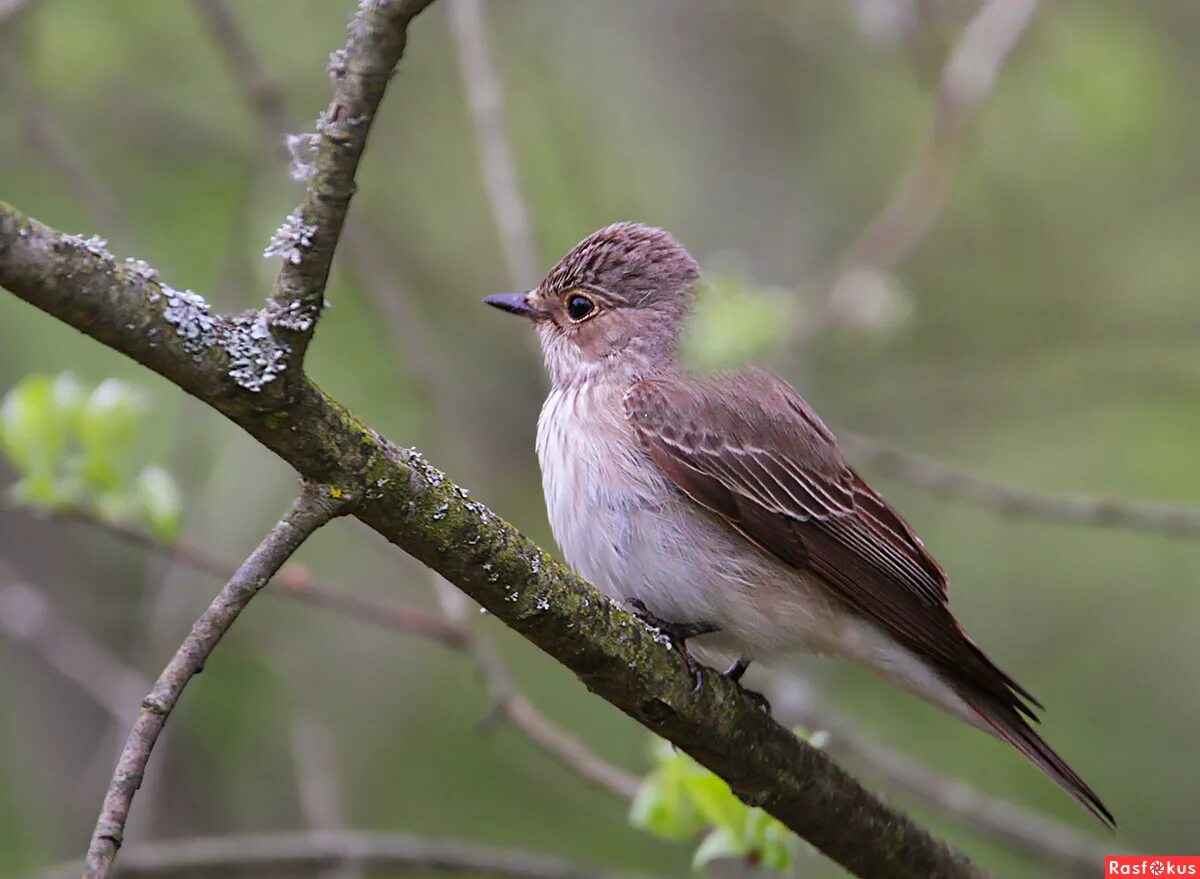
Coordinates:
<point>721,508</point>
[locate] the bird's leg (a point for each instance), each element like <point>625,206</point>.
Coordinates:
<point>677,632</point>
<point>735,672</point>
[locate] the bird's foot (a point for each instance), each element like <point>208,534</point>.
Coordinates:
<point>678,633</point>
<point>735,672</point>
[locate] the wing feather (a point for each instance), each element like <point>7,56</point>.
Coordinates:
<point>748,448</point>
<point>751,450</point>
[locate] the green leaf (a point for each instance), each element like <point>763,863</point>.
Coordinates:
<point>720,843</point>
<point>114,506</point>
<point>108,430</point>
<point>768,840</point>
<point>714,798</point>
<point>681,798</point>
<point>74,448</point>
<point>37,423</point>
<point>160,502</point>
<point>777,846</point>
<point>662,807</point>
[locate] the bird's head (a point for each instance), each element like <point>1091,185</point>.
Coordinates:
<point>614,304</point>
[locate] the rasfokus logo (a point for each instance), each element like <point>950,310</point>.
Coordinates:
<point>1152,865</point>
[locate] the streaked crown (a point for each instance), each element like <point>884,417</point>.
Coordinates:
<point>631,265</point>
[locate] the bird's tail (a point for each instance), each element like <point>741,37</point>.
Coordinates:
<point>1006,723</point>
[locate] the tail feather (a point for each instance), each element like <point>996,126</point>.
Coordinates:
<point>1010,726</point>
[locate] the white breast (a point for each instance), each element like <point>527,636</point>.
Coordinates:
<point>631,534</point>
<point>596,482</point>
<point>628,531</point>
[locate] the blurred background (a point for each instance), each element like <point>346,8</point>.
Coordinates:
<point>1027,308</point>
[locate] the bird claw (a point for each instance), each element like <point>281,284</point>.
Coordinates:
<point>693,666</point>
<point>735,672</point>
<point>678,633</point>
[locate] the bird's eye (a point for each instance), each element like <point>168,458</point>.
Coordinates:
<point>579,307</point>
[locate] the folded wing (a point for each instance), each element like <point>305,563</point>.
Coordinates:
<point>749,448</point>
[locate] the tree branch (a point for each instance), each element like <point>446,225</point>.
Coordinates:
<point>426,362</point>
<point>1035,835</point>
<point>364,257</point>
<point>307,239</point>
<point>28,616</point>
<point>293,581</point>
<point>412,504</point>
<point>289,852</point>
<point>48,139</point>
<point>260,92</point>
<point>959,484</point>
<point>318,785</point>
<point>310,511</point>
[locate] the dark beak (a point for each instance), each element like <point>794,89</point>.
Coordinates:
<point>514,303</point>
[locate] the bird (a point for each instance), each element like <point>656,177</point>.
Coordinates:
<point>720,507</point>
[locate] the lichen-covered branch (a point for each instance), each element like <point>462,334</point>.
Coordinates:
<point>412,504</point>
<point>308,237</point>
<point>362,255</point>
<point>1040,837</point>
<point>311,510</point>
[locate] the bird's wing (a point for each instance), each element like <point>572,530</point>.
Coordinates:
<point>748,447</point>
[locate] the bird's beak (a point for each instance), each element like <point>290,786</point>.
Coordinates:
<point>514,303</point>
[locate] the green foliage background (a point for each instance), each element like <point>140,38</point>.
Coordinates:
<point>1048,338</point>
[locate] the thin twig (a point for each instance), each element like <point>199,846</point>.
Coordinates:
<point>509,703</point>
<point>958,484</point>
<point>310,511</point>
<point>12,10</point>
<point>259,90</point>
<point>293,582</point>
<point>377,36</point>
<point>567,749</point>
<point>966,81</point>
<point>450,630</point>
<point>318,785</point>
<point>287,853</point>
<point>29,617</point>
<point>48,138</point>
<point>312,753</point>
<point>486,101</point>
<point>366,260</point>
<point>1033,835</point>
